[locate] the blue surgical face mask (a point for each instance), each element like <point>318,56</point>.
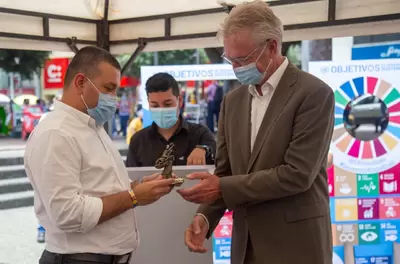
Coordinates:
<point>164,117</point>
<point>105,109</point>
<point>249,74</point>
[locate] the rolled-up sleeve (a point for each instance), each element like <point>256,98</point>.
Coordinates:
<point>55,166</point>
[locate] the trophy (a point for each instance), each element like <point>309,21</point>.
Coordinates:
<point>165,162</point>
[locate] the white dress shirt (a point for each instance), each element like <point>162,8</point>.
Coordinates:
<point>71,163</point>
<point>259,103</point>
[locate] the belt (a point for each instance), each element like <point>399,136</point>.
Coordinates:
<point>96,258</point>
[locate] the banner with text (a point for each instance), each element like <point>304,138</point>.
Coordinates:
<point>201,72</point>
<point>364,183</point>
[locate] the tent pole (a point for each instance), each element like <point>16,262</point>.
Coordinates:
<point>103,41</point>
<point>71,42</point>
<point>141,45</point>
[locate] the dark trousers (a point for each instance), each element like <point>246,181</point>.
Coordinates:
<point>52,258</point>
<point>217,109</point>
<point>123,119</point>
<point>249,257</point>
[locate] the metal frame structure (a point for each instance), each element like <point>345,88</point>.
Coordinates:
<point>104,25</point>
<point>171,21</point>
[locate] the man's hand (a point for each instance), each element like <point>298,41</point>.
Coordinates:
<point>150,191</point>
<point>155,176</point>
<point>197,157</point>
<point>205,192</point>
<point>152,177</point>
<point>196,234</point>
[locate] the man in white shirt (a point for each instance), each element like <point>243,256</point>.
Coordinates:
<point>273,138</point>
<point>83,195</point>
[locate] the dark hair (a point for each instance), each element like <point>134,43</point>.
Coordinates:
<point>86,61</point>
<point>162,82</point>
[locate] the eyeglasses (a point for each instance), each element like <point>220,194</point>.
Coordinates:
<point>242,61</point>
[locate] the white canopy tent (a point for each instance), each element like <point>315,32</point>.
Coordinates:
<point>176,24</point>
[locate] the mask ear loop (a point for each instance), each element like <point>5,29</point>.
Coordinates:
<point>83,100</point>
<point>270,60</point>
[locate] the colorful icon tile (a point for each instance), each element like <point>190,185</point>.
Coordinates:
<point>346,209</point>
<point>390,231</point>
<point>368,208</point>
<point>334,235</point>
<point>224,227</point>
<point>345,183</point>
<point>346,233</point>
<point>368,233</point>
<point>389,208</point>
<point>389,181</point>
<point>368,184</point>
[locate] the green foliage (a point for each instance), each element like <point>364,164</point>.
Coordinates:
<point>174,57</point>
<point>29,61</point>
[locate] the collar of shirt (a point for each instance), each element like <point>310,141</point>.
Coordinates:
<point>272,82</point>
<point>84,118</point>
<point>182,125</point>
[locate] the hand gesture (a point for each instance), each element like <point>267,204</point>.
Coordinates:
<point>150,191</point>
<point>155,176</point>
<point>195,235</point>
<point>197,157</point>
<point>206,191</point>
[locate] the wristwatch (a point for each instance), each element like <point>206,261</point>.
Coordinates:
<point>206,148</point>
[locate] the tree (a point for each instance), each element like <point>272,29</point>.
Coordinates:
<point>173,57</point>
<point>24,62</point>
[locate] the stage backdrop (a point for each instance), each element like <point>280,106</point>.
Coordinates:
<point>365,182</point>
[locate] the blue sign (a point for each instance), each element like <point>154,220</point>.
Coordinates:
<point>390,231</point>
<point>222,248</point>
<point>374,260</point>
<point>338,255</point>
<point>373,254</point>
<point>387,51</point>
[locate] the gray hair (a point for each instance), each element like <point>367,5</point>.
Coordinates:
<point>256,16</point>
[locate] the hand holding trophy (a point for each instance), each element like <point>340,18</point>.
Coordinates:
<point>165,161</point>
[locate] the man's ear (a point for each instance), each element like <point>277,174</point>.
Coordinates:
<point>79,83</point>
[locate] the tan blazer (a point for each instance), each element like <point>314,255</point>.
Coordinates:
<point>279,192</point>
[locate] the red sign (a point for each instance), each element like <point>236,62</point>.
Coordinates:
<point>224,228</point>
<point>389,208</point>
<point>18,91</point>
<point>54,73</point>
<point>331,180</point>
<point>127,81</point>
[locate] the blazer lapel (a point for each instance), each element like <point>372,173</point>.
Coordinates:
<point>278,101</point>
<point>244,119</point>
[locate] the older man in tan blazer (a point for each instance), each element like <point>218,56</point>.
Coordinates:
<point>273,139</point>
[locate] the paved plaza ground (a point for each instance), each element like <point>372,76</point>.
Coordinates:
<point>18,226</point>
<point>18,244</point>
